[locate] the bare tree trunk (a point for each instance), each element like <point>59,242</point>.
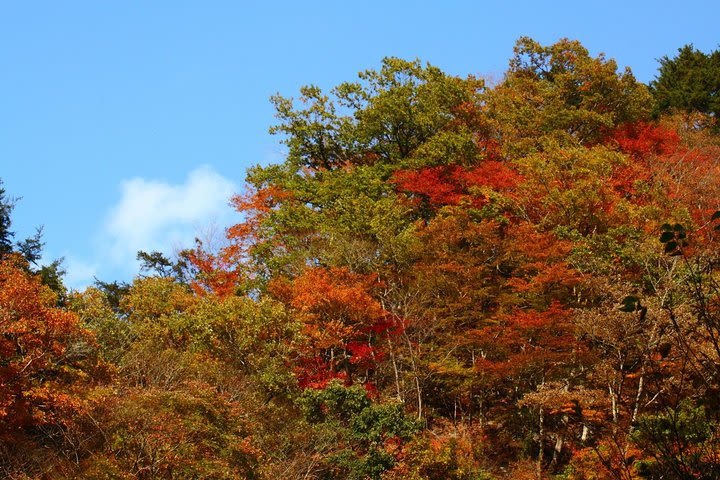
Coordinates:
<point>419,397</point>
<point>541,442</point>
<point>585,433</point>
<point>638,396</point>
<point>636,407</point>
<point>418,389</point>
<point>481,412</point>
<point>395,370</point>
<point>557,451</point>
<point>613,401</point>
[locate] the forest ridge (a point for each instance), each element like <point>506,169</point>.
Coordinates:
<point>444,279</point>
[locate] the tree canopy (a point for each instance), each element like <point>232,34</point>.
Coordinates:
<point>690,82</point>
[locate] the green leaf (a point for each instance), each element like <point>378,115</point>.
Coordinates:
<point>666,237</point>
<point>715,215</point>
<point>670,246</point>
<point>629,304</point>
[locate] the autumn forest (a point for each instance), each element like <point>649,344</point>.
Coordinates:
<point>446,278</point>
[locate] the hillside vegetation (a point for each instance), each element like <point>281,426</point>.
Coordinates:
<point>445,279</point>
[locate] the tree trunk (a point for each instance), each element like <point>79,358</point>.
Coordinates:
<point>585,433</point>
<point>541,443</point>
<point>613,402</point>
<point>398,390</point>
<point>418,390</point>
<point>638,397</point>
<point>557,451</point>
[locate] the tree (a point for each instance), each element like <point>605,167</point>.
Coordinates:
<point>368,438</point>
<point>48,366</point>
<point>155,263</point>
<point>193,432</point>
<point>560,93</point>
<point>342,325</point>
<point>679,443</point>
<point>6,235</point>
<point>30,249</point>
<point>43,348</point>
<point>690,82</point>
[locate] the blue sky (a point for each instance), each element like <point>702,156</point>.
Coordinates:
<point>126,125</point>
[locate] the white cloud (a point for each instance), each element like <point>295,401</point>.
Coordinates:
<point>152,215</point>
<point>156,215</point>
<point>79,273</point>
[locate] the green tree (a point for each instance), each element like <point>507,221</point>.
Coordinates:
<point>30,248</point>
<point>6,235</point>
<point>680,443</point>
<point>689,81</point>
<point>367,435</point>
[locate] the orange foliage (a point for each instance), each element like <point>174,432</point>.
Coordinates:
<point>342,322</point>
<point>39,375</point>
<point>219,273</point>
<point>223,271</point>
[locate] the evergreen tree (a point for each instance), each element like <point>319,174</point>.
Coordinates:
<point>6,235</point>
<point>690,81</point>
